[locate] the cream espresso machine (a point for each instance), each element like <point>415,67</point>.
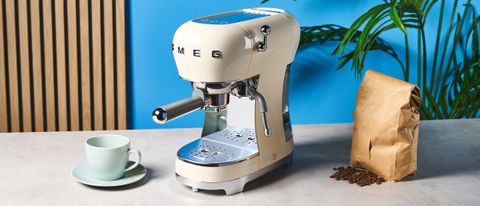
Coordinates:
<point>245,53</point>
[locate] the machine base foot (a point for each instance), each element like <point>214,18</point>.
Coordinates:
<point>237,185</point>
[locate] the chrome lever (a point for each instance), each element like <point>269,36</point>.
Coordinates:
<point>262,46</point>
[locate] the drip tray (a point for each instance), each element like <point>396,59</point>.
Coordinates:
<point>221,148</point>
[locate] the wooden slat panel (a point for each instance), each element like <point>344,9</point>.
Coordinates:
<point>48,64</point>
<point>121,72</point>
<point>12,66</point>
<point>85,66</point>
<point>37,65</point>
<point>3,76</point>
<point>61,66</point>
<point>73,65</point>
<point>97,65</point>
<point>109,67</point>
<point>25,65</point>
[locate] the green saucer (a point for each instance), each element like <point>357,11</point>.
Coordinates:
<point>83,175</point>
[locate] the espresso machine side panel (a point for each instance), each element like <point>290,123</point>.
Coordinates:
<point>277,145</point>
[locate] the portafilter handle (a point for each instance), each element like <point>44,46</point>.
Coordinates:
<point>164,114</point>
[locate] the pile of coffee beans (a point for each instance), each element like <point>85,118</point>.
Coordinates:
<point>359,176</point>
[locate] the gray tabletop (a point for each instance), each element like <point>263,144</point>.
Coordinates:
<point>35,170</point>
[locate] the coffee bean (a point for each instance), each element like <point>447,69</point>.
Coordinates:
<point>358,176</point>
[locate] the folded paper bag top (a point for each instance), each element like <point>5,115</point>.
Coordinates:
<point>385,132</point>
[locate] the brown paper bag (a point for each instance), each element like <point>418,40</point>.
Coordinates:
<point>385,132</point>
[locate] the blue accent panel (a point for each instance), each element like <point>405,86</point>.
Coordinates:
<point>230,18</point>
<point>318,93</point>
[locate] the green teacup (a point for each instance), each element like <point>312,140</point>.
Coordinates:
<point>107,156</point>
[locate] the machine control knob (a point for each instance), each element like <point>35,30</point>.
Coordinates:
<point>262,46</point>
<point>266,30</point>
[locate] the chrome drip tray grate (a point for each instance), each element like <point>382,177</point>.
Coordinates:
<point>221,148</point>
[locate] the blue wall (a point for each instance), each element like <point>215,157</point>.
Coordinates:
<point>318,93</point>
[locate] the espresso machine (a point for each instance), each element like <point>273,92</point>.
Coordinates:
<point>246,54</point>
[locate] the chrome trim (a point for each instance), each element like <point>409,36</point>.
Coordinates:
<point>226,147</point>
<point>262,108</point>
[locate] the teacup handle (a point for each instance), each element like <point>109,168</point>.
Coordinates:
<point>137,162</point>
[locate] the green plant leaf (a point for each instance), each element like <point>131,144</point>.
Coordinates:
<point>446,43</point>
<point>373,23</point>
<point>396,18</point>
<point>432,104</point>
<point>365,37</point>
<point>355,27</point>
<point>335,33</point>
<point>321,34</point>
<point>475,35</point>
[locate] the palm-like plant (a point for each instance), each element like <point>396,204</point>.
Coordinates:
<point>450,83</point>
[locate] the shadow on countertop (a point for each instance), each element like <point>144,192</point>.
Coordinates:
<point>307,156</point>
<point>447,149</point>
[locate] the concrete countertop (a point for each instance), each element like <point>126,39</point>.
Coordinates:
<point>35,170</point>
